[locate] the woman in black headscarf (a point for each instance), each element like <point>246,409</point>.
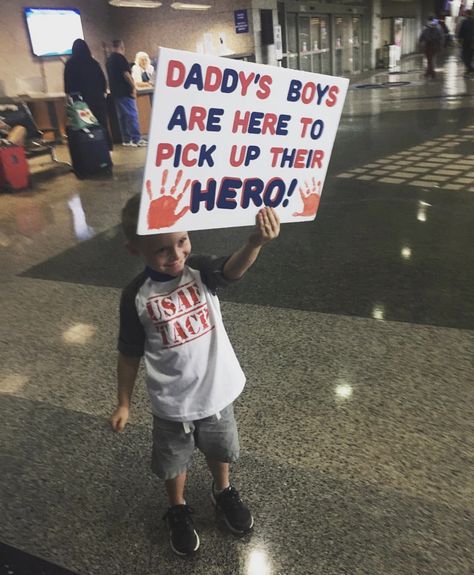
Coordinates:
<point>83,74</point>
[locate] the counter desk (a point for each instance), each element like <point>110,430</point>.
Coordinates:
<point>49,113</point>
<point>144,103</point>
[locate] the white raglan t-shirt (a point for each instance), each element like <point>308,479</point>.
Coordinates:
<point>192,371</point>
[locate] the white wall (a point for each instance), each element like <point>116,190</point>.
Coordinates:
<point>20,71</point>
<point>141,29</point>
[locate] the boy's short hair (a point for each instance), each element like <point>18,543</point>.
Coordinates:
<point>117,43</point>
<point>130,218</point>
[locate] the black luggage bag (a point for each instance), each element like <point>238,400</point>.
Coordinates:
<point>89,151</point>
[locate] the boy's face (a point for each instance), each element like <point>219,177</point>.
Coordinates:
<point>165,253</point>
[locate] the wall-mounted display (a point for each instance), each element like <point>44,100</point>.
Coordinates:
<point>53,30</point>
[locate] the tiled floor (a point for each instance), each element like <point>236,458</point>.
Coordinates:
<point>356,335</point>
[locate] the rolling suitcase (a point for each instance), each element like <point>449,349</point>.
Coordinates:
<point>14,172</point>
<point>89,151</point>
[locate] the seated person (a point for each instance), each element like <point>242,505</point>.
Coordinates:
<point>142,71</point>
<point>15,135</point>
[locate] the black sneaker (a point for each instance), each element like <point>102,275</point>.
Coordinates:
<point>236,514</point>
<point>183,538</point>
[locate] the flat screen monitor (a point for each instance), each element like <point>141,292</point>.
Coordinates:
<point>52,31</point>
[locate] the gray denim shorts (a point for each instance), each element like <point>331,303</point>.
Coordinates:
<point>174,442</point>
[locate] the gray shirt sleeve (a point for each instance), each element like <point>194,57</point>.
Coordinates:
<point>211,270</point>
<point>131,340</point>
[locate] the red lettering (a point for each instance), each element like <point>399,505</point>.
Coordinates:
<point>300,158</point>
<point>151,311</point>
<point>174,80</point>
<point>186,160</point>
<point>308,92</point>
<point>195,294</point>
<point>245,82</point>
<point>192,324</point>
<point>213,79</point>
<point>168,306</point>
<point>203,317</point>
<point>163,152</point>
<point>306,122</point>
<point>183,302</point>
<point>269,122</point>
<point>264,87</point>
<point>197,115</point>
<point>276,152</point>
<point>332,96</point>
<point>178,332</point>
<point>162,329</point>
<point>240,122</point>
<point>317,158</point>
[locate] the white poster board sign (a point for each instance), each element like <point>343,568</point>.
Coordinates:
<point>228,137</point>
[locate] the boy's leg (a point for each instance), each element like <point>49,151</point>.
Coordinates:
<point>175,489</point>
<point>220,473</point>
<point>218,439</point>
<point>173,446</point>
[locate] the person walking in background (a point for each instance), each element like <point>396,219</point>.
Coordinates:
<point>83,74</point>
<point>431,42</point>
<point>466,39</point>
<point>124,94</point>
<point>142,71</point>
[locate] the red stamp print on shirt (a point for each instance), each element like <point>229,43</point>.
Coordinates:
<point>180,316</point>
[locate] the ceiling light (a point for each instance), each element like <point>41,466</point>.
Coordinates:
<point>135,3</point>
<point>189,6</point>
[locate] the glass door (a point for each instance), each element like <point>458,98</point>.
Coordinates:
<point>366,52</point>
<point>338,45</point>
<point>291,58</point>
<point>305,45</point>
<point>356,44</point>
<point>319,32</point>
<point>325,46</point>
<point>344,55</point>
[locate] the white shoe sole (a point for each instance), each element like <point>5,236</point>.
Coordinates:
<point>233,529</point>
<point>180,553</point>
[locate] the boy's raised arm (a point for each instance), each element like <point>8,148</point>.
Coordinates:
<point>127,369</point>
<point>267,229</point>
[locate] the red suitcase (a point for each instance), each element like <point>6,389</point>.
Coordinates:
<point>14,172</point>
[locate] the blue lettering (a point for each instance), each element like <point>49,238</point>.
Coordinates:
<point>226,199</point>
<point>279,186</point>
<point>213,121</point>
<point>205,155</point>
<point>253,188</point>
<point>199,195</point>
<point>194,77</point>
<point>178,119</point>
<point>321,92</point>
<point>233,77</point>
<point>294,91</point>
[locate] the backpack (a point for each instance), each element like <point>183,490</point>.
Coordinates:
<point>431,37</point>
<point>79,115</point>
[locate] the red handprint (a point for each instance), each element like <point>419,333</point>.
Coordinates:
<point>310,197</point>
<point>162,211</point>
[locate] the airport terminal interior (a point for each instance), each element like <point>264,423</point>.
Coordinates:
<point>355,332</point>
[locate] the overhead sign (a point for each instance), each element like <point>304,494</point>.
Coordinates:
<point>228,137</point>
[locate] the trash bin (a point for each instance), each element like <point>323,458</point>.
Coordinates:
<point>391,55</point>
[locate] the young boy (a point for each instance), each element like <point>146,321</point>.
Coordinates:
<point>170,314</point>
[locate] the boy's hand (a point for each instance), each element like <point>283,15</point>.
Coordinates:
<point>119,418</point>
<point>268,227</point>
